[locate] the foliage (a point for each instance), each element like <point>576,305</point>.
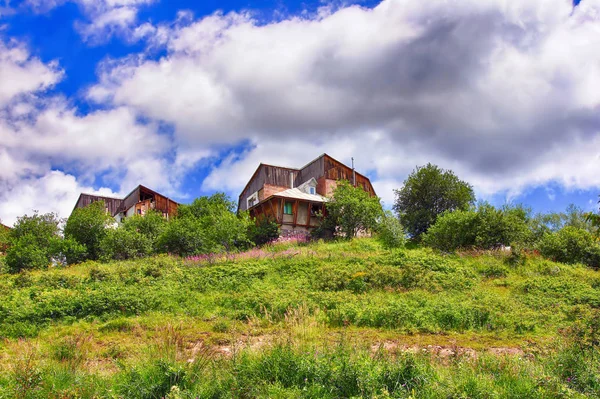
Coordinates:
<point>88,227</point>
<point>485,227</point>
<point>390,231</point>
<point>427,193</point>
<point>151,225</point>
<point>329,319</point>
<point>263,231</point>
<point>571,245</point>
<point>123,244</point>
<point>33,242</point>
<point>4,239</point>
<point>352,209</point>
<point>183,236</point>
<point>213,221</point>
<point>573,216</point>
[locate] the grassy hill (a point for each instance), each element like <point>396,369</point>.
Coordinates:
<point>342,319</point>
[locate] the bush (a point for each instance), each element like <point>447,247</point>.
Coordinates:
<point>263,231</point>
<point>151,225</point>
<point>486,228</point>
<point>352,209</point>
<point>183,237</point>
<point>571,245</point>
<point>391,232</point>
<point>88,227</point>
<point>122,244</point>
<point>26,255</point>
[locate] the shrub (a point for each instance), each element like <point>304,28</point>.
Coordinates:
<point>571,245</point>
<point>122,244</point>
<point>352,209</point>
<point>88,227</point>
<point>452,230</point>
<point>26,255</point>
<point>263,231</point>
<point>33,242</point>
<point>183,237</point>
<point>486,227</point>
<point>391,232</point>
<point>151,225</point>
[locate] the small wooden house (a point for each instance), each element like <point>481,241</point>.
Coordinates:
<point>295,198</point>
<point>138,202</point>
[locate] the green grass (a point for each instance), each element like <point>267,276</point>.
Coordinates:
<point>342,319</point>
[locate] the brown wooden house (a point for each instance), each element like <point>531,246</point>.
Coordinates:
<point>295,197</point>
<point>138,202</point>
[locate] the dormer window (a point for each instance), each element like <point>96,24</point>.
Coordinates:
<point>312,190</point>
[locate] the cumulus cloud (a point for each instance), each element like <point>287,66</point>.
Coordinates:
<point>102,18</point>
<point>504,93</point>
<point>49,152</point>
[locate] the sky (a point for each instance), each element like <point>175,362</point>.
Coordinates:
<point>188,97</point>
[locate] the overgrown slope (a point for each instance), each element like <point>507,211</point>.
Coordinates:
<point>105,329</point>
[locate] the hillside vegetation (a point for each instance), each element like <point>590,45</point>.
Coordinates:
<point>338,319</point>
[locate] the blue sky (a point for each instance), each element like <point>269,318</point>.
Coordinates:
<point>188,97</point>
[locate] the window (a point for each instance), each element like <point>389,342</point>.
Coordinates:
<point>315,210</point>
<point>312,190</point>
<point>287,209</point>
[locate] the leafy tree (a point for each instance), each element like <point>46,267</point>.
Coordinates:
<point>3,238</point>
<point>390,231</point>
<point>33,242</point>
<point>88,227</point>
<point>485,227</point>
<point>263,231</point>
<point>427,193</point>
<point>352,209</point>
<point>594,221</point>
<point>151,225</point>
<point>183,236</point>
<point>123,244</point>
<point>223,229</point>
<point>571,245</point>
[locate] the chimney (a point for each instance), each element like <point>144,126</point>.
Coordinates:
<point>353,173</point>
<point>291,179</point>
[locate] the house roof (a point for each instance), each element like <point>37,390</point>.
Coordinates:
<point>4,226</point>
<point>295,193</point>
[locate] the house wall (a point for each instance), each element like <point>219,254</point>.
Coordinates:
<point>266,175</point>
<point>269,190</point>
<point>112,204</point>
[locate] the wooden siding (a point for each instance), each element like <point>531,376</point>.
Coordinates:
<point>114,205</point>
<point>266,174</point>
<point>335,170</point>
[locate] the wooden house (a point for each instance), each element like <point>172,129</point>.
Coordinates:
<point>295,197</point>
<point>138,202</point>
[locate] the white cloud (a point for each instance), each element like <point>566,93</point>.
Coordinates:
<point>49,152</point>
<point>53,192</point>
<point>103,18</point>
<point>504,93</point>
<point>22,74</point>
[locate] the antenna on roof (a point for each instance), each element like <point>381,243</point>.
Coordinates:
<point>353,173</point>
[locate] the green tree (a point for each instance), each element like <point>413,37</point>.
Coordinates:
<point>151,225</point>
<point>88,226</point>
<point>427,193</point>
<point>352,209</point>
<point>485,227</point>
<point>571,245</point>
<point>123,244</point>
<point>208,225</point>
<point>34,240</point>
<point>390,231</point>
